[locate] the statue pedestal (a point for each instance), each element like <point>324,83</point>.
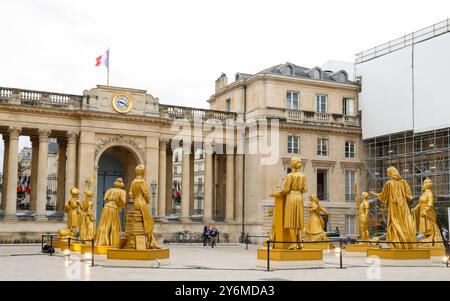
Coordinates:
<point>60,244</point>
<point>282,258</point>
<point>399,257</point>
<point>130,254</point>
<point>76,246</point>
<point>359,249</point>
<point>99,250</point>
<point>318,246</point>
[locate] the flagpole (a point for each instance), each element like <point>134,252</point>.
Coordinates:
<point>107,80</point>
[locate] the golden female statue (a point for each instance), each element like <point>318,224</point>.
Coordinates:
<point>140,194</point>
<point>293,188</point>
<point>88,219</point>
<point>424,216</point>
<point>108,231</point>
<point>363,213</point>
<point>396,194</point>
<point>72,208</point>
<point>315,228</point>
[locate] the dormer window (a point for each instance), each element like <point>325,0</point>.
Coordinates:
<point>315,73</point>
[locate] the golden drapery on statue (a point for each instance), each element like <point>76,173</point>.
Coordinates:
<point>315,227</point>
<point>424,216</point>
<point>293,189</point>
<point>108,230</point>
<point>87,222</point>
<point>72,208</point>
<point>140,194</point>
<point>396,194</point>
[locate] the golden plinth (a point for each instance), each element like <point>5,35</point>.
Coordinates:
<point>318,246</point>
<point>290,258</point>
<point>400,257</point>
<point>437,251</point>
<point>130,254</point>
<point>60,244</point>
<point>99,250</point>
<point>359,249</point>
<point>76,246</point>
<point>134,228</point>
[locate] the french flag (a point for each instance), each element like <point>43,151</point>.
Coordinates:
<point>103,60</point>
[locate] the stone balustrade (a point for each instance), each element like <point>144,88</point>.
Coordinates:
<point>178,112</point>
<point>40,98</point>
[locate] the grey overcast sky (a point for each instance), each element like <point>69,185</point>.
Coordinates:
<point>176,49</point>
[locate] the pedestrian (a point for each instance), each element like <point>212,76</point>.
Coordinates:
<point>444,233</point>
<point>214,235</point>
<point>337,231</point>
<point>206,231</point>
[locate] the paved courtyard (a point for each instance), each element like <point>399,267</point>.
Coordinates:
<point>227,262</point>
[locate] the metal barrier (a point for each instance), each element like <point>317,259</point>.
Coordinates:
<point>247,239</point>
<point>69,244</point>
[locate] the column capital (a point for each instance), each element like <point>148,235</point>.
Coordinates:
<point>61,141</point>
<point>72,137</point>
<point>34,140</point>
<point>163,143</point>
<point>43,134</point>
<point>14,132</point>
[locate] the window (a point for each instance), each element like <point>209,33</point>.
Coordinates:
<point>228,105</point>
<point>348,107</point>
<point>322,184</point>
<point>350,176</point>
<point>322,147</point>
<point>349,149</point>
<point>293,145</point>
<point>350,225</point>
<point>292,100</point>
<point>321,103</point>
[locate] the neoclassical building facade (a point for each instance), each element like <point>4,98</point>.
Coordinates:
<point>105,132</point>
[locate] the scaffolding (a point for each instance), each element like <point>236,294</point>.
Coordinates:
<point>417,156</point>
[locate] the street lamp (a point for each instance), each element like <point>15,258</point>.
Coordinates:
<point>153,186</point>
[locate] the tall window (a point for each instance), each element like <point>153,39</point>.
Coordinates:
<point>321,103</point>
<point>228,105</point>
<point>350,225</point>
<point>293,145</point>
<point>322,147</point>
<point>292,100</point>
<point>348,107</point>
<point>350,176</point>
<point>350,149</point>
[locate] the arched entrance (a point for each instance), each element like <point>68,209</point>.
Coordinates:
<point>114,162</point>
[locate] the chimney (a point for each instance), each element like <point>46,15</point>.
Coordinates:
<point>221,82</point>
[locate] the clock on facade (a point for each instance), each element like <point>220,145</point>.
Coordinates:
<point>122,103</point>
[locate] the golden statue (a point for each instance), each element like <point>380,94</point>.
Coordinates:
<point>108,230</point>
<point>315,227</point>
<point>72,208</point>
<point>396,194</point>
<point>293,189</point>
<point>424,216</point>
<point>87,217</point>
<point>139,193</point>
<point>363,213</point>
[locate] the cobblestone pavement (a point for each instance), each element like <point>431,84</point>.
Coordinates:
<point>227,262</point>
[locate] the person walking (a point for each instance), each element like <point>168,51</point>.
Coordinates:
<point>214,235</point>
<point>206,232</point>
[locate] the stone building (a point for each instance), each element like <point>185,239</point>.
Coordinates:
<point>108,130</point>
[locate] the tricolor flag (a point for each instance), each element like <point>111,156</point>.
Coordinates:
<point>103,60</point>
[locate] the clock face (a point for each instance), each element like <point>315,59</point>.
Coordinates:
<point>122,103</point>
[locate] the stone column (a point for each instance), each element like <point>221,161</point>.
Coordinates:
<point>42,176</point>
<point>5,170</point>
<point>207,207</point>
<point>169,181</point>
<point>191,183</point>
<point>152,170</point>
<point>71,162</point>
<point>11,189</point>
<point>185,184</point>
<point>229,205</point>
<point>61,178</point>
<point>162,178</point>
<point>34,171</point>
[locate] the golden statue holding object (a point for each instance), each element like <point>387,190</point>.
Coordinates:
<point>72,208</point>
<point>87,224</point>
<point>108,231</point>
<point>362,212</point>
<point>396,194</point>
<point>293,189</point>
<point>140,194</point>
<point>315,228</point>
<point>424,216</point>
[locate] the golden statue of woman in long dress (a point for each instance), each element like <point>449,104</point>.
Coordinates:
<point>363,214</point>
<point>108,230</point>
<point>315,227</point>
<point>293,188</point>
<point>140,194</point>
<point>88,220</point>
<point>424,216</point>
<point>396,194</point>
<point>72,208</point>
